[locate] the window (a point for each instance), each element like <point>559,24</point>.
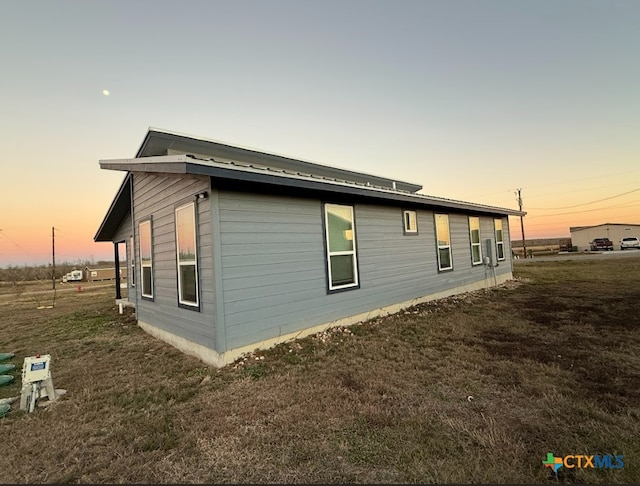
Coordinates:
<point>186,254</point>
<point>410,222</point>
<point>474,237</point>
<point>146,259</point>
<point>341,246</point>
<point>444,242</point>
<point>132,258</point>
<point>497,223</point>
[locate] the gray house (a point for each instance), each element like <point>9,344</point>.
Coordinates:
<point>231,249</point>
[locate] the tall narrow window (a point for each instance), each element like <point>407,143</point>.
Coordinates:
<point>410,222</point>
<point>474,237</point>
<point>132,263</point>
<point>499,238</point>
<point>187,255</point>
<point>444,242</point>
<point>146,259</point>
<point>341,246</point>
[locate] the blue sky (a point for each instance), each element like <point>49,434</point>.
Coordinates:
<point>471,99</point>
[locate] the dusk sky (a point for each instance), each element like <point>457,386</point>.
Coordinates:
<point>472,99</point>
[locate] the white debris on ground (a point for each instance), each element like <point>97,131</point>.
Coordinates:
<point>425,308</point>
<point>45,403</point>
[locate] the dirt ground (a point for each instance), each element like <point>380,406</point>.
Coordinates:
<point>472,388</point>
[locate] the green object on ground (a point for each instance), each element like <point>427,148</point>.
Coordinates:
<point>4,408</point>
<point>6,356</point>
<point>6,367</point>
<point>5,379</point>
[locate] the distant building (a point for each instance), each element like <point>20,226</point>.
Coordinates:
<point>582,235</point>
<point>98,274</point>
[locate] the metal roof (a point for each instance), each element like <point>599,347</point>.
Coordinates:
<point>239,171</point>
<point>224,163</point>
<point>163,142</point>
<point>580,228</point>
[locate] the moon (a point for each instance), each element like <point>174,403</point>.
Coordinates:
<point>105,92</point>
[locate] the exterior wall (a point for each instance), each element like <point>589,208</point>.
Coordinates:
<point>274,265</point>
<point>270,279</point>
<point>124,231</point>
<point>615,232</point>
<point>156,196</point>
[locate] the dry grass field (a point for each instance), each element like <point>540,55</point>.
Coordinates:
<point>475,388</point>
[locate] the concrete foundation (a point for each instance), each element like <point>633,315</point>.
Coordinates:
<point>213,358</point>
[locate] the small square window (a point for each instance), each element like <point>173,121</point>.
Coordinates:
<point>410,219</point>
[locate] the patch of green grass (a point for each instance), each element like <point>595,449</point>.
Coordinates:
<point>255,370</point>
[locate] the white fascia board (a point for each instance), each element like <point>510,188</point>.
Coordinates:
<point>127,164</point>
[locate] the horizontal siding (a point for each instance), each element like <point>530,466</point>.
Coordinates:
<point>274,265</point>
<point>272,258</point>
<point>487,231</point>
<point>123,232</point>
<point>156,197</point>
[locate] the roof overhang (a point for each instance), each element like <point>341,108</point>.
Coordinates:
<point>253,173</point>
<point>120,207</point>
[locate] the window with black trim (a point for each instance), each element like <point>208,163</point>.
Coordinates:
<point>497,223</point>
<point>187,255</point>
<point>443,237</point>
<point>132,263</point>
<point>342,265</point>
<point>410,220</point>
<point>474,238</point>
<point>146,259</point>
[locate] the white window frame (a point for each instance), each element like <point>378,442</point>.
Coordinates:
<point>146,264</point>
<point>474,225</point>
<point>446,246</point>
<point>497,225</point>
<point>191,262</point>
<point>352,252</point>
<point>410,221</point>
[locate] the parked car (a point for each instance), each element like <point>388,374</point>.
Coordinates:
<point>629,242</point>
<point>601,244</point>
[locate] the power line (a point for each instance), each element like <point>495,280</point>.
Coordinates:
<point>599,177</point>
<point>587,203</point>
<point>584,211</point>
<point>4,235</point>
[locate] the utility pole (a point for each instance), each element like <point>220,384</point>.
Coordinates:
<point>524,245</point>
<point>53,253</point>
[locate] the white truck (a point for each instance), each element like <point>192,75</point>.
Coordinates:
<point>73,276</point>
